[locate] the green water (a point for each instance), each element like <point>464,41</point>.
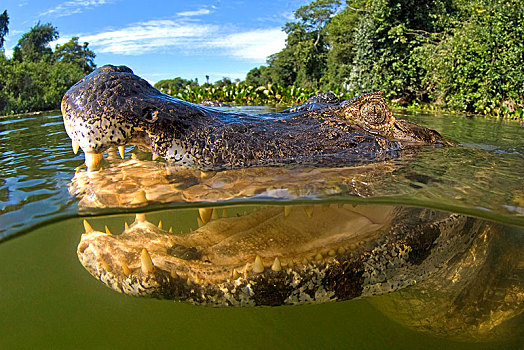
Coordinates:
<point>50,301</point>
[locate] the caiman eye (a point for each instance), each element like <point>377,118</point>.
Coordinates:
<point>373,112</point>
<point>150,115</point>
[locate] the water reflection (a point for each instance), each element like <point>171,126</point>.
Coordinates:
<point>450,178</point>
<point>452,275</point>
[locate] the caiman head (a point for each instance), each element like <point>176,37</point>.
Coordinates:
<point>112,107</point>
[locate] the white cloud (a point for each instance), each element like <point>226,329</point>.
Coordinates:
<point>163,36</point>
<point>74,6</point>
<point>255,44</point>
<point>194,13</point>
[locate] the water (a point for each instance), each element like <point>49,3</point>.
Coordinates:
<point>50,300</point>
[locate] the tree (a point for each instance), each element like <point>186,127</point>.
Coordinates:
<point>4,22</point>
<point>303,61</point>
<point>34,45</point>
<point>72,52</point>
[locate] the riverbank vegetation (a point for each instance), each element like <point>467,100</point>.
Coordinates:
<point>36,77</point>
<point>454,55</point>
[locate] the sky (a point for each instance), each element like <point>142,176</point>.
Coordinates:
<point>164,39</point>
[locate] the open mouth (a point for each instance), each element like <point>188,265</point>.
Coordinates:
<point>275,244</point>
<point>276,255</point>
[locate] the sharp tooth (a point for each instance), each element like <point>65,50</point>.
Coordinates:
<point>139,198</point>
<point>92,160</point>
<point>341,250</point>
<point>309,211</point>
<point>331,252</point>
<point>276,265</point>
<point>170,229</point>
<point>205,214</point>
<point>318,257</point>
<point>258,266</point>
<point>104,265</point>
<point>147,262</point>
<point>122,151</point>
<point>155,156</point>
<point>126,226</point>
<point>107,231</point>
<point>140,218</point>
<point>174,274</point>
<point>199,222</point>
<point>160,224</point>
<point>188,281</point>
<point>87,227</point>
<point>287,211</point>
<point>125,268</point>
<point>214,215</point>
<point>133,156</point>
<point>235,274</point>
<point>75,146</point>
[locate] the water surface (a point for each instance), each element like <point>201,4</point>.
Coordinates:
<point>50,300</point>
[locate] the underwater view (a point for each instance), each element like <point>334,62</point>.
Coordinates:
<point>420,250</point>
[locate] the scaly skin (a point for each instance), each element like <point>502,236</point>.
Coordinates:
<point>114,107</point>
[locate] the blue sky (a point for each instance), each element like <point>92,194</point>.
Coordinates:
<point>164,39</point>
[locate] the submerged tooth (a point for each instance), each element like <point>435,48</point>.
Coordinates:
<point>224,213</point>
<point>75,146</point>
<point>287,211</point>
<point>205,214</point>
<point>140,218</point>
<point>214,214</point>
<point>122,151</point>
<point>107,231</point>
<point>87,227</point>
<point>341,250</point>
<point>199,222</point>
<point>174,274</point>
<point>125,268</point>
<point>104,265</point>
<point>92,160</point>
<point>160,224</point>
<point>155,156</point>
<point>331,252</point>
<point>126,226</point>
<point>318,257</point>
<point>147,262</point>
<point>235,274</point>
<point>258,266</point>
<point>309,211</point>
<point>276,265</point>
<point>170,229</point>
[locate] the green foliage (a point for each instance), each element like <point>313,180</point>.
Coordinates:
<point>36,78</point>
<point>4,29</point>
<point>33,45</point>
<point>479,66</point>
<point>173,86</point>
<point>454,54</point>
<point>76,54</point>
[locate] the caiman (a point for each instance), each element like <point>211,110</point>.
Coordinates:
<point>112,107</point>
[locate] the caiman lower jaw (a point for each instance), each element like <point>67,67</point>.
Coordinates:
<point>147,260</point>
